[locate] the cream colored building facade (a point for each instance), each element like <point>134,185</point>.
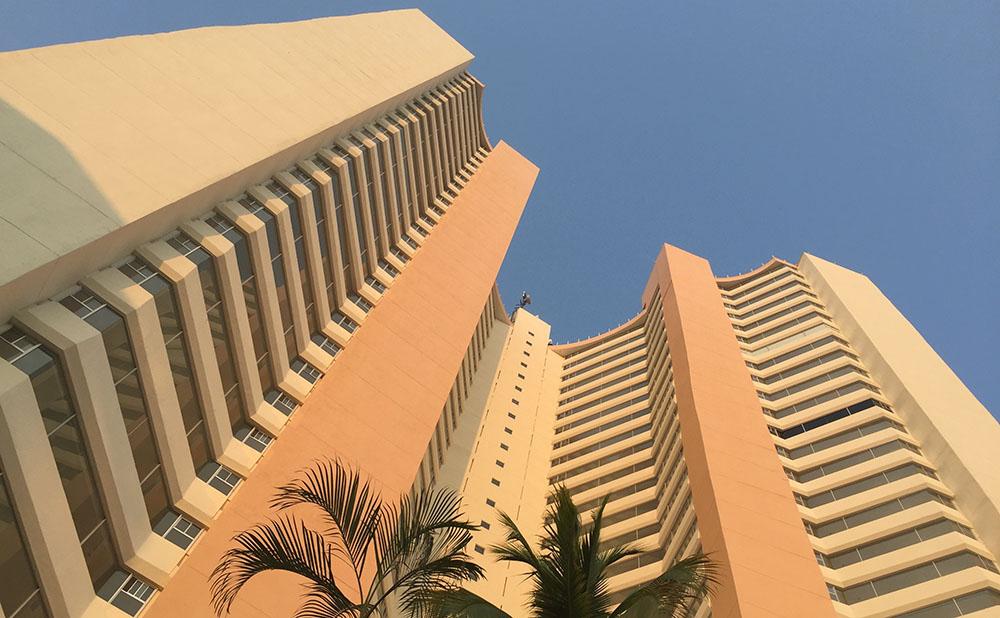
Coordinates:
<point>789,421</point>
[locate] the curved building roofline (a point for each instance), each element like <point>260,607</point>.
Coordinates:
<point>574,346</point>
<point>735,280</point>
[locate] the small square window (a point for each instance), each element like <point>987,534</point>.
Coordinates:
<point>526,353</point>
<point>529,343</point>
<point>485,525</point>
<point>520,375</point>
<point>490,502</point>
<point>515,402</point>
<point>504,446</point>
<point>480,549</point>
<point>512,415</point>
<point>495,482</point>
<point>500,464</point>
<point>508,430</point>
<point>519,389</point>
<point>525,365</point>
<point>531,333</point>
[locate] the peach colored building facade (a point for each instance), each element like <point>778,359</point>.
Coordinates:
<point>789,421</point>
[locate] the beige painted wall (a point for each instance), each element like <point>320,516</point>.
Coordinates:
<point>957,432</point>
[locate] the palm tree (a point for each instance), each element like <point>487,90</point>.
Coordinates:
<point>400,554</point>
<point>569,574</point>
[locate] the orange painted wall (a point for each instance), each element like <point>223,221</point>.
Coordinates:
<point>747,516</point>
<point>380,401</point>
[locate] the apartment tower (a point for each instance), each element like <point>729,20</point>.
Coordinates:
<point>789,422</point>
<point>226,253</point>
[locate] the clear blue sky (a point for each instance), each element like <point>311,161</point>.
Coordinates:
<point>867,133</point>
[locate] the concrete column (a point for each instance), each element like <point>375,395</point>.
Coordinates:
<point>465,86</point>
<point>351,232</point>
<point>37,495</point>
<point>138,309</point>
<point>451,126</point>
<point>419,168</point>
<point>436,110</point>
<point>747,516</point>
<point>310,237</point>
<point>293,281</point>
<point>390,198</point>
<point>399,176</point>
<point>430,151</point>
<point>421,199</point>
<point>267,297</point>
<point>310,243</point>
<point>366,208</point>
<point>183,276</point>
<point>378,212</point>
<point>462,101</point>
<point>332,225</point>
<point>437,141</point>
<point>88,375</point>
<point>237,324</point>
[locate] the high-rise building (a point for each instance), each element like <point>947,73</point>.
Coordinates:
<point>789,422</point>
<point>226,253</point>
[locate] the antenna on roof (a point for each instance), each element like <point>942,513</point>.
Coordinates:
<point>525,300</point>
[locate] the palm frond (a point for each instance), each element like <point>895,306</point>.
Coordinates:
<point>420,547</point>
<point>674,592</point>
<point>282,544</point>
<point>516,548</point>
<point>348,502</point>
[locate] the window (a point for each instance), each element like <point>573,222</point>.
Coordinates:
<point>504,446</point>
<point>519,389</point>
<point>508,430</point>
<point>361,302</point>
<point>177,529</point>
<point>345,322</point>
<point>280,401</point>
<point>219,477</point>
<point>480,550</point>
<point>254,438</point>
<point>388,268</point>
<point>490,502</point>
<point>495,482</point>
<point>521,375</point>
<point>485,525</point>
<point>531,334</point>
<point>326,344</point>
<point>500,464</point>
<point>515,402</point>
<point>309,373</point>
<point>526,353</point>
<point>512,415</point>
<point>126,592</point>
<point>377,285</point>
